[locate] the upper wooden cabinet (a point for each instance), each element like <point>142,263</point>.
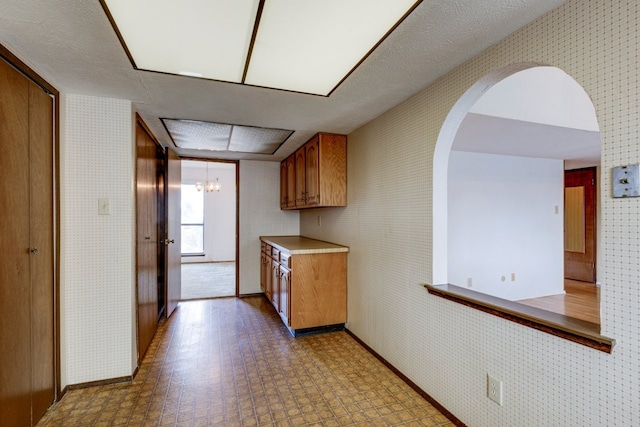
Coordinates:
<point>316,174</point>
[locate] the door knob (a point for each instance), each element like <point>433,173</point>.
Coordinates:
<point>167,241</point>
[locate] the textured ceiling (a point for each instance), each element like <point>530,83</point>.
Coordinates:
<point>72,44</point>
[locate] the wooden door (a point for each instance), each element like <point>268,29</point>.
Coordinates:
<point>312,172</point>
<point>147,241</point>
<point>15,293</point>
<point>41,268</point>
<point>580,225</point>
<point>27,370</point>
<point>291,181</point>
<point>300,157</point>
<point>173,238</point>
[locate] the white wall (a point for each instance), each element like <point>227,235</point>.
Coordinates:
<point>260,215</point>
<point>97,258</point>
<point>541,95</point>
<point>219,210</point>
<point>506,217</point>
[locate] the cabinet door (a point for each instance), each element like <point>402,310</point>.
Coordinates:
<point>312,161</point>
<point>268,276</point>
<point>291,181</point>
<point>301,196</point>
<point>263,271</point>
<point>275,283</point>
<point>283,185</point>
<point>285,278</point>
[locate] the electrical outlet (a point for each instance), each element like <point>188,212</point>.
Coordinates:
<point>469,282</point>
<point>513,277</point>
<point>494,389</point>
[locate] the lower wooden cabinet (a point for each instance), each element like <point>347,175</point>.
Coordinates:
<point>308,290</point>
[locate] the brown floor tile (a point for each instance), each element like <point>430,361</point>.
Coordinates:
<point>231,362</point>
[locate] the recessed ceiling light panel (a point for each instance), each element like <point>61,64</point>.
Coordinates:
<point>310,45</point>
<point>209,38</point>
<point>307,46</point>
<point>199,135</point>
<point>257,140</point>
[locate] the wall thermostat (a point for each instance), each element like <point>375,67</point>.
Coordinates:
<point>626,181</point>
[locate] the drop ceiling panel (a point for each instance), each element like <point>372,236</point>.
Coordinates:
<point>197,135</point>
<point>198,38</point>
<point>257,140</point>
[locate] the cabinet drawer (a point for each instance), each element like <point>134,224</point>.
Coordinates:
<point>285,259</point>
<point>275,254</point>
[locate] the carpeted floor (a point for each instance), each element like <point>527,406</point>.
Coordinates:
<point>208,280</point>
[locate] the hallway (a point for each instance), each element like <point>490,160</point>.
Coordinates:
<point>231,362</point>
<point>208,280</point>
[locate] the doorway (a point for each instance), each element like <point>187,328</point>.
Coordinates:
<point>209,232</point>
<point>580,225</point>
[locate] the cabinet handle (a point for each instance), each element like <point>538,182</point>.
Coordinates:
<point>34,251</point>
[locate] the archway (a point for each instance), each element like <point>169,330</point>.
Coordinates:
<point>453,127</point>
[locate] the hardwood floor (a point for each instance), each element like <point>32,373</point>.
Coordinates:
<point>581,301</point>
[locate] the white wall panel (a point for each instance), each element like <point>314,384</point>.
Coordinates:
<point>505,216</point>
<point>97,251</point>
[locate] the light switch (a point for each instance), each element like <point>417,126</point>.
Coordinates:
<point>104,207</point>
<point>626,181</point>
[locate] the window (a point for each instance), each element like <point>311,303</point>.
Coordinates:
<point>192,220</point>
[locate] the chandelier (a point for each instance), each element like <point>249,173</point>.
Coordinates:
<point>209,186</point>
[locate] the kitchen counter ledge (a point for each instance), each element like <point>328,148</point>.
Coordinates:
<point>299,245</point>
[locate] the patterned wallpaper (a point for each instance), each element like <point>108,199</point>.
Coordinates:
<point>447,348</point>
<point>260,215</point>
<point>97,251</point>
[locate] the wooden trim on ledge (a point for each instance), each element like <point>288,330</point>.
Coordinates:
<point>569,328</point>
<point>410,383</point>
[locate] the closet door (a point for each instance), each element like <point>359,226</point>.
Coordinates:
<point>27,372</point>
<point>147,241</point>
<point>42,255</point>
<point>15,292</point>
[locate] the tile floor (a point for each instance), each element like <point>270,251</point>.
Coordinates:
<point>231,362</point>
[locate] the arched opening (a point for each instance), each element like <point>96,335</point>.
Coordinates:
<point>499,168</point>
